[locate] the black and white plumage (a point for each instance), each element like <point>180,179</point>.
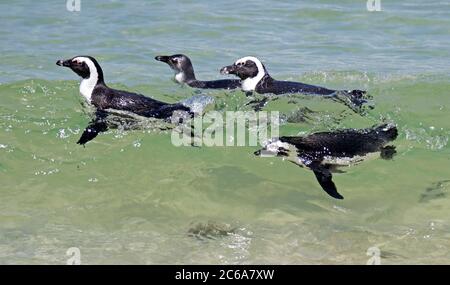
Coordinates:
<point>184,74</point>
<point>324,152</point>
<point>97,93</point>
<point>255,78</point>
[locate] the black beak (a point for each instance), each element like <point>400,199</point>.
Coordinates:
<point>163,58</point>
<point>62,62</point>
<point>230,69</point>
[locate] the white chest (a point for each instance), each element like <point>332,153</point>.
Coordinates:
<point>180,77</point>
<point>86,88</point>
<point>249,84</point>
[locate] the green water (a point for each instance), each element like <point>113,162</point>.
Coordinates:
<point>132,197</point>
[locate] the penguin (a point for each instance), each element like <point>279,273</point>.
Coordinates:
<point>103,98</point>
<point>325,152</point>
<point>255,78</point>
<point>184,74</point>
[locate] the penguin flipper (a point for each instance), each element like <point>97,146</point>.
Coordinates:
<point>324,177</point>
<point>92,131</point>
<point>356,100</point>
<point>97,126</point>
<point>387,152</point>
<point>257,105</point>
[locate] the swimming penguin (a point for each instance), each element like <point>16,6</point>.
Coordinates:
<point>324,152</point>
<point>95,91</point>
<point>254,77</point>
<point>184,73</point>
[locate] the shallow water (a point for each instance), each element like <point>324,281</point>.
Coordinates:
<point>132,197</point>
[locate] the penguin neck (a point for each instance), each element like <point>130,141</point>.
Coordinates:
<point>187,75</point>
<point>88,85</point>
<point>265,81</point>
<point>250,84</point>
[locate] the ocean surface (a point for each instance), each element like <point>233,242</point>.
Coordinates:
<point>131,197</point>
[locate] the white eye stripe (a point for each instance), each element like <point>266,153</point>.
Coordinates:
<point>83,60</point>
<point>249,58</point>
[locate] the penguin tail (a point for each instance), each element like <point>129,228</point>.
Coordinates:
<point>387,152</point>
<point>358,97</point>
<point>388,132</point>
<point>356,100</point>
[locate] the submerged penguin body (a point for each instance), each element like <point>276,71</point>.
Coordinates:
<point>325,152</point>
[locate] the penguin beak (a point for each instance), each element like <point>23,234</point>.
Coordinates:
<point>65,63</point>
<point>163,58</point>
<point>230,69</point>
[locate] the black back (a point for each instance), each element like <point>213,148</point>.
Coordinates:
<point>104,97</point>
<point>270,85</point>
<point>216,84</point>
<point>344,143</point>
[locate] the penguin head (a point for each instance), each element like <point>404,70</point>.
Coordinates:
<point>246,67</point>
<point>249,69</point>
<point>273,147</point>
<point>180,64</point>
<point>85,66</point>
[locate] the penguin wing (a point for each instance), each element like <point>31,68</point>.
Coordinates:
<point>324,177</point>
<point>97,126</point>
<point>92,131</point>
